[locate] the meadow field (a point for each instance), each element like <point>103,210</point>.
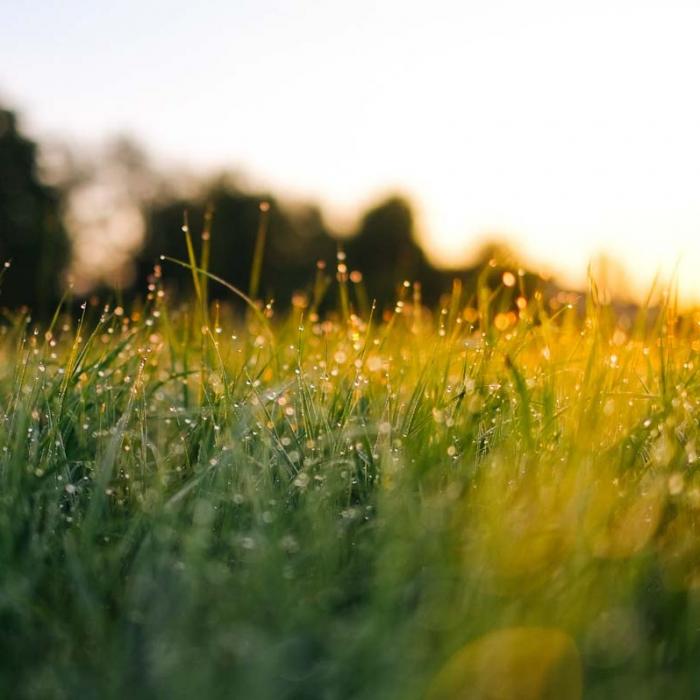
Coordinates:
<point>495,498</point>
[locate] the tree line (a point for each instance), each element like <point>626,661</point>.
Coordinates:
<point>379,255</point>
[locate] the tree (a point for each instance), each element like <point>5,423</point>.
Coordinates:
<point>295,239</point>
<point>385,250</point>
<point>32,236</point>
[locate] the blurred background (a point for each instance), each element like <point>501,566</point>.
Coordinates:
<point>426,139</point>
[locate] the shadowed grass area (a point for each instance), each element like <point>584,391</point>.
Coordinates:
<point>493,500</point>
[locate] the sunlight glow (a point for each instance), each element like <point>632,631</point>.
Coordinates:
<point>567,129</point>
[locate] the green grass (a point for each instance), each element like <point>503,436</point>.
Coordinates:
<point>197,502</point>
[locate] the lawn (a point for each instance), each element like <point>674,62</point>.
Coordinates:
<point>496,498</point>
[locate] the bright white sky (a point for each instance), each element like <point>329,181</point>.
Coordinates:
<point>566,128</point>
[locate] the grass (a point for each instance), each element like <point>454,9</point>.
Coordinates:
<point>470,503</point>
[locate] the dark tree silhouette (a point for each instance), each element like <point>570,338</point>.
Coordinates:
<point>295,239</point>
<point>385,250</point>
<point>31,232</point>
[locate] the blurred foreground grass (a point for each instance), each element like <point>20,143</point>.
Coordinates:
<point>473,503</point>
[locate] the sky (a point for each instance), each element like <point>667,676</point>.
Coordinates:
<point>568,129</point>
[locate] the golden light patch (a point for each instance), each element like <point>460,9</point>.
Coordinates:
<point>519,663</point>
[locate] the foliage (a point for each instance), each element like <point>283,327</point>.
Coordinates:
<point>230,220</point>
<point>32,236</point>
